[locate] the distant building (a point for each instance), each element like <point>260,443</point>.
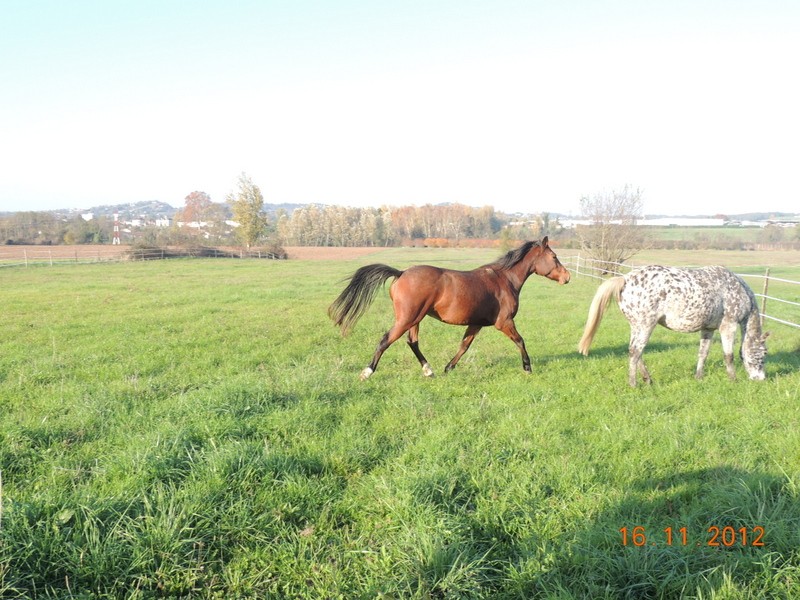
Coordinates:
<point>667,222</point>
<point>682,222</point>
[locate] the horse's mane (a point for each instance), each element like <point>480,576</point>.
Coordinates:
<point>512,257</point>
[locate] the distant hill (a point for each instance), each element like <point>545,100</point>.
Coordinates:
<point>148,209</point>
<point>151,209</point>
<point>133,210</point>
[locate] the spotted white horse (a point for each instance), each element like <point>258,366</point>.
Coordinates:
<point>685,300</point>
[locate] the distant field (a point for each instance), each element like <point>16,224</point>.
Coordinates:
<point>196,428</point>
<point>743,234</point>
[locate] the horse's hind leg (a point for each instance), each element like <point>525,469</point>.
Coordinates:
<point>705,344</point>
<point>639,339</point>
<point>413,342</point>
<point>469,335</point>
<point>389,338</point>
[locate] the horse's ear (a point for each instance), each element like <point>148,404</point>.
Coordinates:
<point>545,242</point>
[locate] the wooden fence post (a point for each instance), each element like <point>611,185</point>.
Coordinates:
<point>764,297</point>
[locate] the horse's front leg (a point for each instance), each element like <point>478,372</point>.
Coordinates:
<point>727,333</point>
<point>511,331</point>
<point>469,335</point>
<point>413,343</point>
<point>702,355</point>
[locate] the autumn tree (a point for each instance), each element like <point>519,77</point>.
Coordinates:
<point>247,204</point>
<point>613,235</point>
<point>194,211</point>
<point>31,227</point>
<point>195,207</point>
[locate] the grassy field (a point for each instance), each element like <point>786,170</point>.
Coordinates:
<point>196,428</point>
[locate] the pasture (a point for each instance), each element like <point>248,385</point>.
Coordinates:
<point>197,428</point>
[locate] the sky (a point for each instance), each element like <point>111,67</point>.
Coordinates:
<point>526,106</point>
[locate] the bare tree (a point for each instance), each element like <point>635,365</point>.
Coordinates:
<point>613,235</point>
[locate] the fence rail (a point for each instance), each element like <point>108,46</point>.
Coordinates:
<point>600,269</point>
<point>11,256</point>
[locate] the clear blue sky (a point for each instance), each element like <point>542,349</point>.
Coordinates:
<point>524,105</point>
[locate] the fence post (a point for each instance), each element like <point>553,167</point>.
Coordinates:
<point>764,297</point>
<point>25,254</point>
<point>51,257</point>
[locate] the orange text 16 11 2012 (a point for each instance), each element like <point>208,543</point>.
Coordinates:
<point>726,536</point>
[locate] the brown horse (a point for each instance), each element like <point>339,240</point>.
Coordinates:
<point>488,295</point>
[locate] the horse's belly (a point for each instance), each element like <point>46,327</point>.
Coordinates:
<point>677,316</point>
<point>689,320</point>
<point>460,315</point>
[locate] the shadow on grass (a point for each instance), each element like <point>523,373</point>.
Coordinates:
<point>695,533</point>
<point>783,363</point>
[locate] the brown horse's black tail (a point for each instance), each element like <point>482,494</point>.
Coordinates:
<point>358,295</point>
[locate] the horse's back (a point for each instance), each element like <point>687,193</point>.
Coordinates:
<point>685,300</point>
<point>456,297</point>
<point>427,279</point>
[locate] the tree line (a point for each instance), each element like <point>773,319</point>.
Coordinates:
<point>242,219</point>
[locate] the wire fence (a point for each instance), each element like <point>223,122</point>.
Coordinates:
<point>579,265</point>
<point>600,269</point>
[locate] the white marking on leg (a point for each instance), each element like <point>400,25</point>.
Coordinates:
<point>427,371</point>
<point>366,373</point>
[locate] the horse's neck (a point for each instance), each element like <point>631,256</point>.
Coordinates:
<point>519,273</point>
<point>753,326</point>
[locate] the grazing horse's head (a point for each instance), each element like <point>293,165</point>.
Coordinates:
<point>754,351</point>
<point>548,265</point>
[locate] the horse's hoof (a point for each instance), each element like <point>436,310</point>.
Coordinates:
<point>427,371</point>
<point>366,373</point>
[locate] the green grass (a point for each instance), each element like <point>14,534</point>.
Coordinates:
<point>197,428</point>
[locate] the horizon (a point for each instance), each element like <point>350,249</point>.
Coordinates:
<point>526,107</point>
<point>644,216</point>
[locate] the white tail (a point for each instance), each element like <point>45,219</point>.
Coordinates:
<point>601,299</point>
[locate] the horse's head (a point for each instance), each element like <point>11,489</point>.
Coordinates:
<point>754,351</point>
<point>548,265</point>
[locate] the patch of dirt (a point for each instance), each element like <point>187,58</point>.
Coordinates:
<point>327,253</point>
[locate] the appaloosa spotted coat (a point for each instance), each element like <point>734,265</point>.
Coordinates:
<point>685,300</point>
